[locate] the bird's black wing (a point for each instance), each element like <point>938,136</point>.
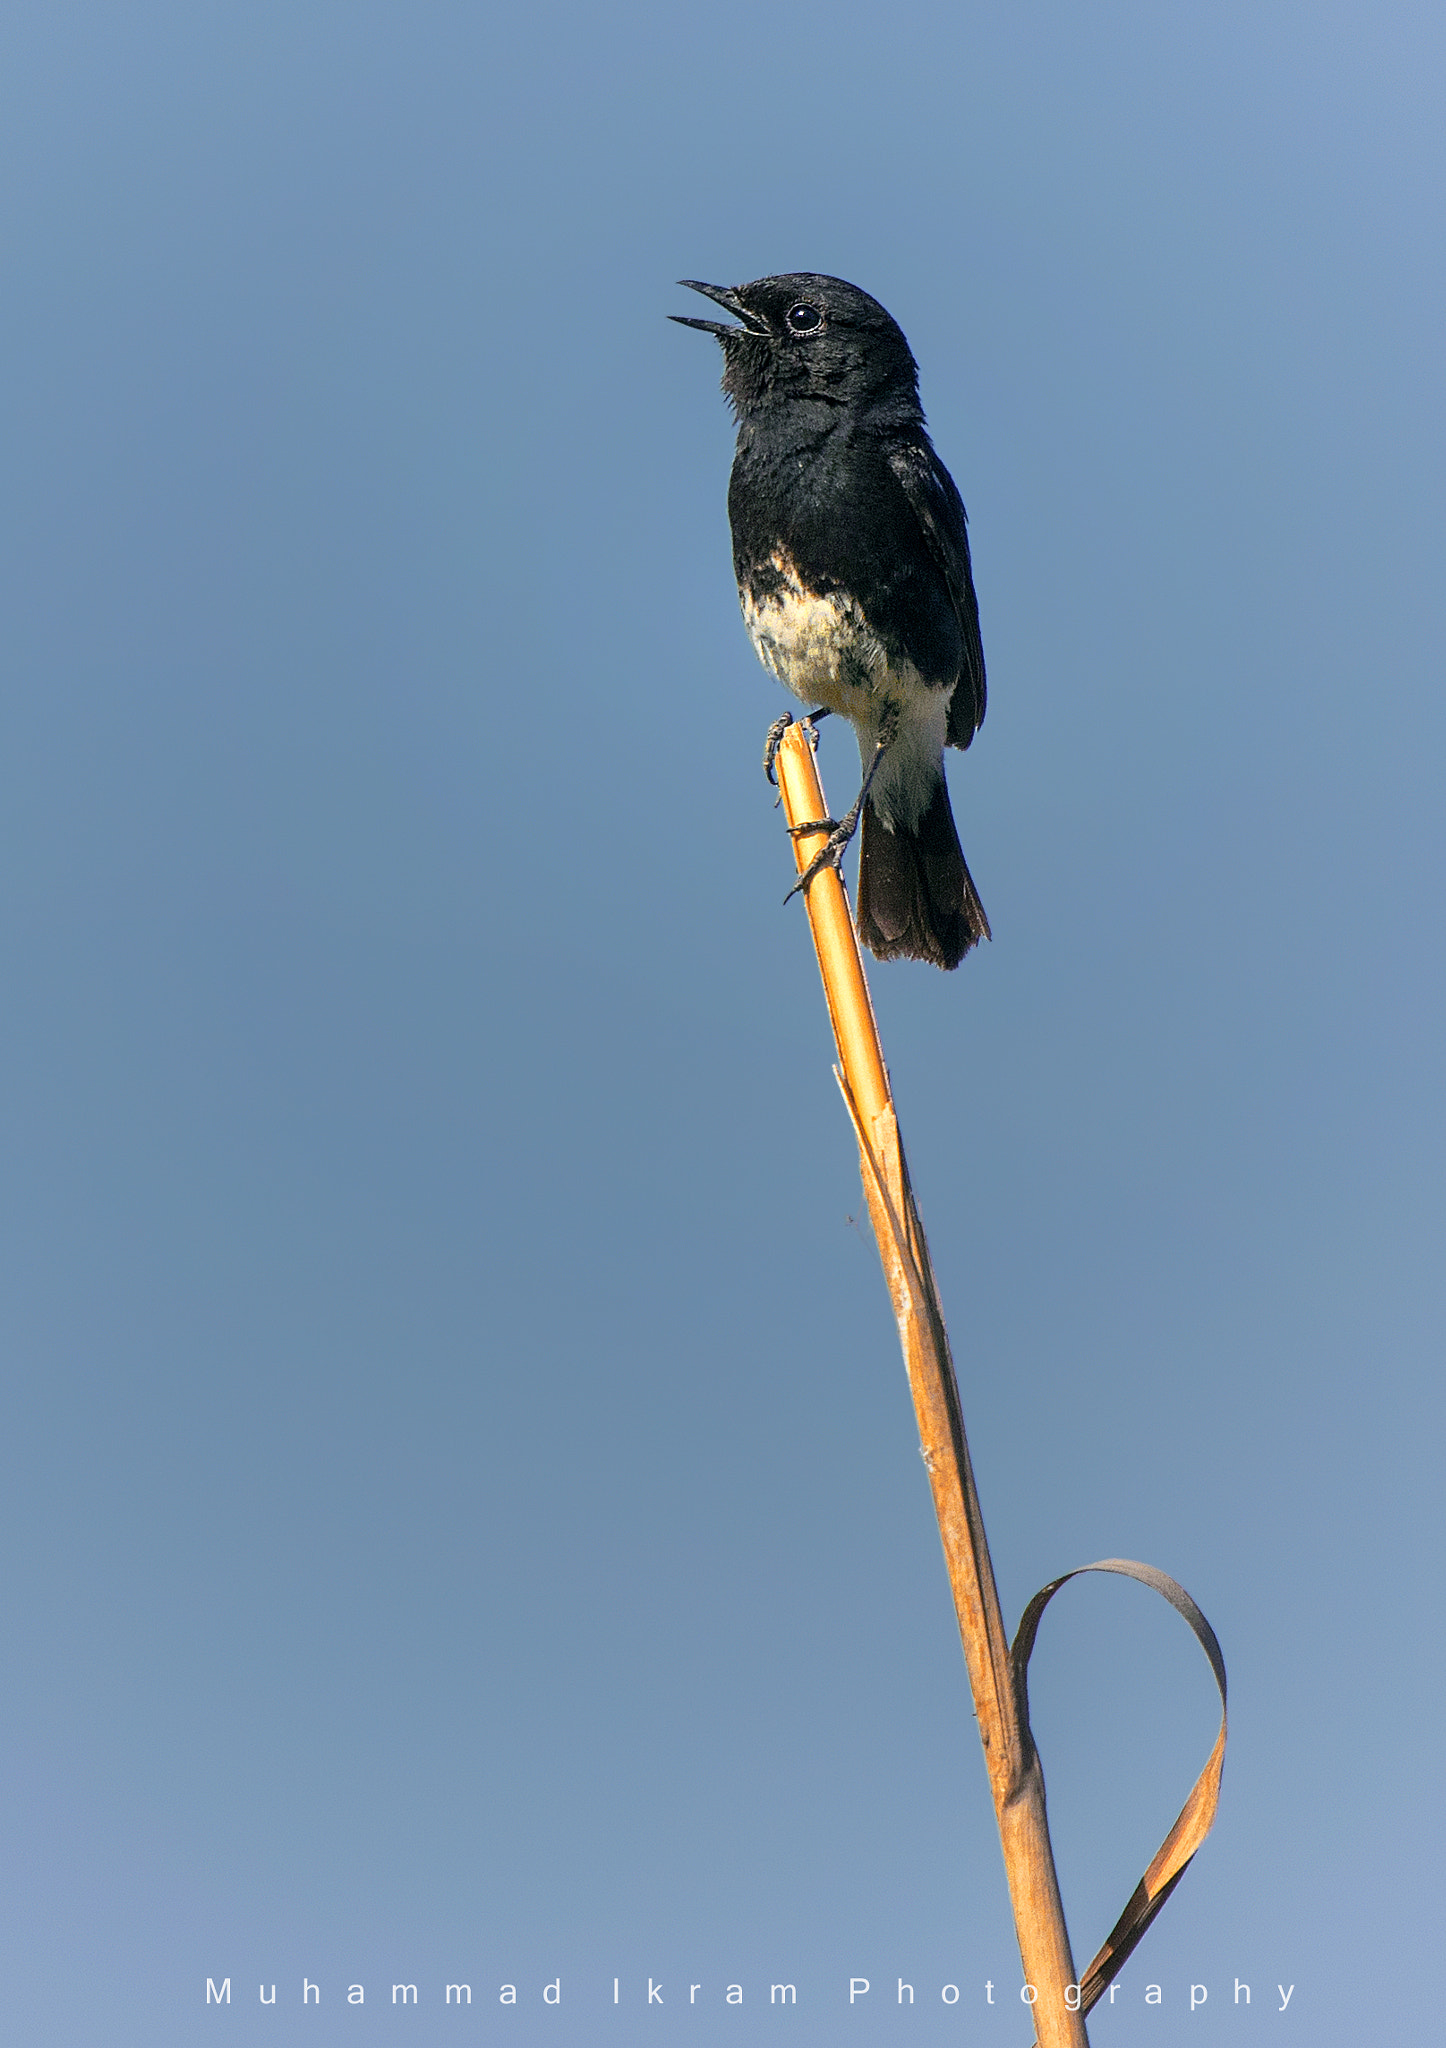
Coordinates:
<point>939,510</point>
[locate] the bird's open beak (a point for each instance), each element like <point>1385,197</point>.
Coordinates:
<point>725,296</point>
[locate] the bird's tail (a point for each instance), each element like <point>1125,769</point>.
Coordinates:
<point>917,899</point>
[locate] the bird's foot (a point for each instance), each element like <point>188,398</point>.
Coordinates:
<point>774,739</point>
<point>830,855</point>
<point>771,745</point>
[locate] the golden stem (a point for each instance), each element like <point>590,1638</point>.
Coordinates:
<point>1015,1778</point>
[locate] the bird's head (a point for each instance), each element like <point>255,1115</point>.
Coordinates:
<point>807,337</point>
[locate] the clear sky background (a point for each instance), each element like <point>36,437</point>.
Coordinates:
<point>462,1516</point>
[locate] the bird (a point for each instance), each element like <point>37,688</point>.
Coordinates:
<point>851,553</point>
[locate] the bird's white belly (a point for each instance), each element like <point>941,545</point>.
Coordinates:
<point>823,650</point>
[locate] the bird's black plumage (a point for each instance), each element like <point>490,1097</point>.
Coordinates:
<point>852,558</point>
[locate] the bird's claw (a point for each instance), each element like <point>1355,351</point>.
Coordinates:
<point>771,745</point>
<point>774,738</point>
<point>831,853</point>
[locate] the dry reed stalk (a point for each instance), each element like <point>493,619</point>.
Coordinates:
<point>1016,1779</point>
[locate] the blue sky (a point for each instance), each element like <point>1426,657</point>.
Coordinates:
<point>462,1509</point>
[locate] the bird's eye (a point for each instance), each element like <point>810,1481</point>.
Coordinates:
<point>804,319</point>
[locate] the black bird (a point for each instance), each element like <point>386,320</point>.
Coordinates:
<point>852,559</point>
